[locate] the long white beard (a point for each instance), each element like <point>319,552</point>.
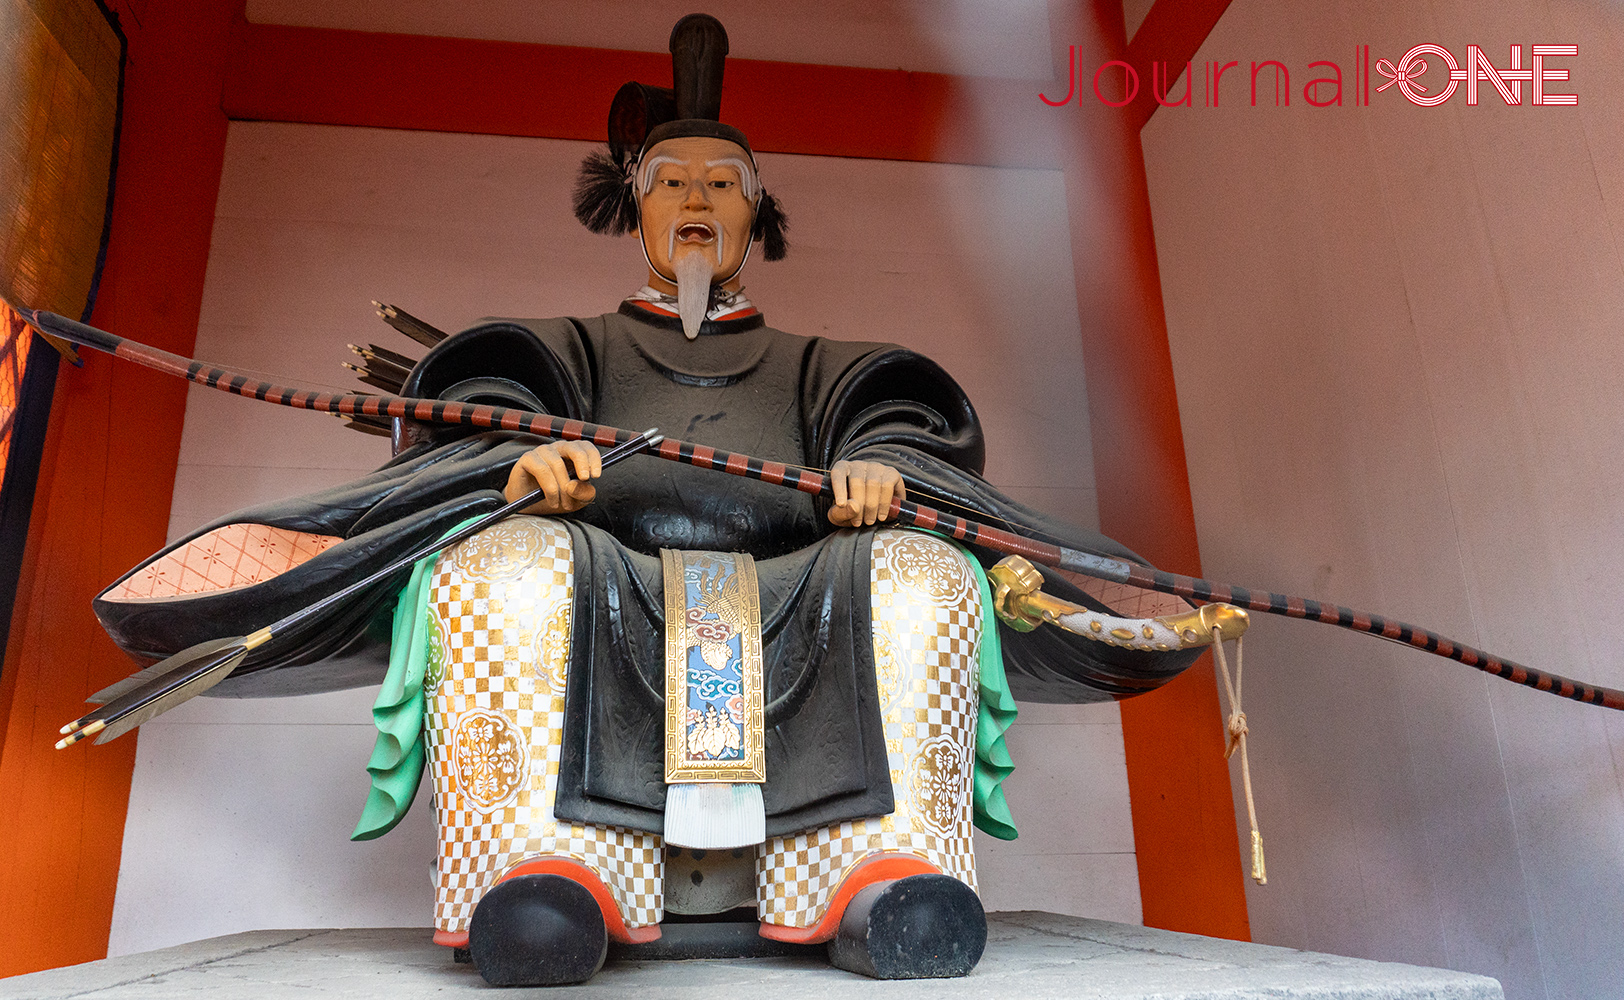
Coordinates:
<point>694,271</point>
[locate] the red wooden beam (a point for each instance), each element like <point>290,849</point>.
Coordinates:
<point>331,77</point>
<point>1171,34</point>
<point>1185,839</point>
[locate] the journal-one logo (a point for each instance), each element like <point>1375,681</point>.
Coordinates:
<point>1427,75</point>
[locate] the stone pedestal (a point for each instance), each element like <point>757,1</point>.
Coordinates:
<point>1030,956</point>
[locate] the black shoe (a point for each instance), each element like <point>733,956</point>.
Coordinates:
<point>919,927</point>
<point>537,930</point>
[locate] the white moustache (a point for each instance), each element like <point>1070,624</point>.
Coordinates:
<point>718,239</point>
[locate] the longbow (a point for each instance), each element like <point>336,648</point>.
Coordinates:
<point>808,481</point>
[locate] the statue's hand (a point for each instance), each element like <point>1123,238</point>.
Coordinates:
<point>863,492</point>
<point>544,467</point>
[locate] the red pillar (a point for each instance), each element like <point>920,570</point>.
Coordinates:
<point>1178,781</point>
<point>102,503</point>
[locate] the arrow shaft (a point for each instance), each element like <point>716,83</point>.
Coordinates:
<point>622,451</point>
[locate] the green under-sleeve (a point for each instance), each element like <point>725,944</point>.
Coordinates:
<point>396,765</point>
<point>995,715</point>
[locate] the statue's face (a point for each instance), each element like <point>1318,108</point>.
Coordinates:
<point>695,200</point>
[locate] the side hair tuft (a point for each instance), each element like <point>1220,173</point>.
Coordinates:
<point>604,200</point>
<point>771,225</point>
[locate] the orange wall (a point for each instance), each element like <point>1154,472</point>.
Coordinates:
<point>103,497</point>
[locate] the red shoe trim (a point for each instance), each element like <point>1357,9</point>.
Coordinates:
<point>451,940</point>
<point>883,868</point>
<point>642,935</point>
<point>612,922</point>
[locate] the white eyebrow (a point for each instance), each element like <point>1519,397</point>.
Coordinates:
<point>649,166</point>
<point>747,173</point>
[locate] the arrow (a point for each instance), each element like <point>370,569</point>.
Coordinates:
<point>148,694</point>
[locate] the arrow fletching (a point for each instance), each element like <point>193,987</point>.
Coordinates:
<point>115,691</point>
<point>145,695</point>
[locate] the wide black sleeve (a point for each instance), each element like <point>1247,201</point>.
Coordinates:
<point>440,475</point>
<point>892,396</point>
<point>369,522</point>
<point>897,407</point>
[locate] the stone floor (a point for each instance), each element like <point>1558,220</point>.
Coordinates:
<point>1030,956</point>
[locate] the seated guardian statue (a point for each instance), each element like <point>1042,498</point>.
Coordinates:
<point>662,690</point>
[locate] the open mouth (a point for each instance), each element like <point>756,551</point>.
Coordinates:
<point>695,232</point>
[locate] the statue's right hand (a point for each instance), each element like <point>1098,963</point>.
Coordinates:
<point>545,468</point>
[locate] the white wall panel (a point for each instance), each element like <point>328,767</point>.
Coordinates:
<point>1396,333</point>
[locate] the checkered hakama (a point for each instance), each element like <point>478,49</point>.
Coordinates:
<point>499,627</point>
<point>927,643</point>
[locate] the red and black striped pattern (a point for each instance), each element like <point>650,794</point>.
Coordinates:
<point>808,481</point>
<point>703,456</point>
<point>1387,628</point>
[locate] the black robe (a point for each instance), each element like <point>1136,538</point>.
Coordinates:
<point>740,386</point>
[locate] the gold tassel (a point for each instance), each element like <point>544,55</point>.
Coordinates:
<point>1235,732</point>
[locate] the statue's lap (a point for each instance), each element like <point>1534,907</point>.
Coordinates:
<point>498,627</point>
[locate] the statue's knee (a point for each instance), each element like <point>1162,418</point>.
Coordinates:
<point>927,568</point>
<point>513,579</point>
<point>514,549</point>
<point>926,610</point>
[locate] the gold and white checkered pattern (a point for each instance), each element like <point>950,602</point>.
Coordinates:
<point>499,633</point>
<point>927,641</point>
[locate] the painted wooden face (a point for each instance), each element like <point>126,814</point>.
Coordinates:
<point>697,195</point>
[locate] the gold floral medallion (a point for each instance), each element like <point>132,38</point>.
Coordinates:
<point>936,779</point>
<point>505,551</point>
<point>488,758</point>
<point>889,670</point>
<point>931,567</point>
<point>553,647</point>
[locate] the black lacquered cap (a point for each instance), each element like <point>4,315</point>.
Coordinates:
<point>642,115</point>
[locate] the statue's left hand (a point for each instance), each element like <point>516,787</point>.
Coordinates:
<point>863,493</point>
